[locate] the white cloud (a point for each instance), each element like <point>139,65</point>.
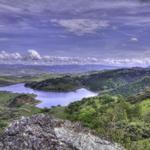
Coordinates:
<point>81,26</point>
<point>33,55</point>
<point>9,8</point>
<point>127,62</point>
<point>134,39</point>
<point>16,56</point>
<point>9,56</point>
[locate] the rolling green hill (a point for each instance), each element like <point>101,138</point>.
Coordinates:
<point>117,81</point>
<point>66,83</point>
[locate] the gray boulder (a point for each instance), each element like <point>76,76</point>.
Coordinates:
<point>43,132</point>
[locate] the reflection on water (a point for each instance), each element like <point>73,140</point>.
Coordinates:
<point>49,99</point>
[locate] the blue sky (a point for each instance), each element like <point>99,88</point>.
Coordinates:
<point>110,32</point>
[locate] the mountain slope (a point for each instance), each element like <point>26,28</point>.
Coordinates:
<point>115,118</point>
<point>133,88</point>
<point>100,81</point>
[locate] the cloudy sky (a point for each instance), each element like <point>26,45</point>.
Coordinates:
<point>75,31</point>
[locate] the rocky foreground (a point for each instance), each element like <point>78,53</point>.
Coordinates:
<point>42,132</point>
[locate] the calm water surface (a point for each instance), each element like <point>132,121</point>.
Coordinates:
<point>49,99</point>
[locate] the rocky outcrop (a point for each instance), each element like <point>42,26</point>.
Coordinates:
<point>42,132</point>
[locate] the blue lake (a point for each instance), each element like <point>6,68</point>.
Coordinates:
<point>49,99</point>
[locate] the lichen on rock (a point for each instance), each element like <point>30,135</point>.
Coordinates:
<point>43,132</point>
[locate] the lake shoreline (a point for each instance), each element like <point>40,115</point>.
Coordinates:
<point>47,99</point>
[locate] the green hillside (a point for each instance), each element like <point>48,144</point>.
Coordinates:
<point>113,118</point>
<point>23,105</point>
<point>104,81</point>
<point>133,88</point>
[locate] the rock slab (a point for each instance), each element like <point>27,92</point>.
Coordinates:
<point>43,132</point>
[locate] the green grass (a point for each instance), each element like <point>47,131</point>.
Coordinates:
<point>58,112</point>
<point>141,145</point>
<point>5,98</point>
<point>145,106</point>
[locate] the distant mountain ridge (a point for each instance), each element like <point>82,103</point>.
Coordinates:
<point>19,69</point>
